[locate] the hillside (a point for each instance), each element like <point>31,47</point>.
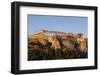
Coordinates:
<point>44,45</point>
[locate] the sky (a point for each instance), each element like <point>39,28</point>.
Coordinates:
<point>73,24</point>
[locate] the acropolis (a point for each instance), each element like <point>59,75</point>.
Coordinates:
<point>59,39</point>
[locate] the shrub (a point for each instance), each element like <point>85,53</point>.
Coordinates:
<point>48,53</point>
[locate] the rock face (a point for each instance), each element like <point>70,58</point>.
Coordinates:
<point>55,42</point>
<point>58,40</point>
<point>69,41</point>
<point>82,42</point>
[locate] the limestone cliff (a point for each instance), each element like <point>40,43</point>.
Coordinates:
<point>59,40</point>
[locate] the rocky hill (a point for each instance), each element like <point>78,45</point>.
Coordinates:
<point>57,40</point>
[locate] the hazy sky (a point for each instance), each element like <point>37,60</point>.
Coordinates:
<point>58,23</point>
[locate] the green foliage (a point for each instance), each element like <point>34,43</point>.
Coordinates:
<point>47,53</point>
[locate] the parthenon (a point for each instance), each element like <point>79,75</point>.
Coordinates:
<point>46,32</point>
